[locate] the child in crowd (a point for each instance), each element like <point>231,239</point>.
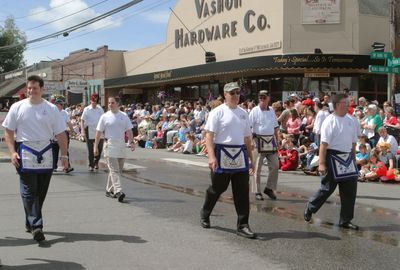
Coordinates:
<point>288,157</point>
<point>373,170</point>
<point>307,152</point>
<point>385,155</point>
<point>158,139</point>
<point>176,144</point>
<point>363,140</point>
<point>202,145</point>
<point>187,148</point>
<point>362,156</point>
<point>141,138</point>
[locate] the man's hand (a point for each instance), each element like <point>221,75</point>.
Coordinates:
<point>212,163</point>
<point>251,169</point>
<point>15,159</point>
<point>322,169</point>
<point>95,150</point>
<point>132,146</point>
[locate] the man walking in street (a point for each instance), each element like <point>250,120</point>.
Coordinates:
<point>337,163</point>
<point>113,125</point>
<point>90,118</point>
<point>229,146</point>
<point>33,122</point>
<point>265,129</point>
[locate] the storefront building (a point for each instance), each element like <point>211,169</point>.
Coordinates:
<point>282,46</point>
<point>83,72</point>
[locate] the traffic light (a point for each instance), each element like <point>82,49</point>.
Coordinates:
<point>378,47</point>
<point>210,57</point>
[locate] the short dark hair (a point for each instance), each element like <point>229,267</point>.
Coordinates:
<point>117,99</point>
<point>36,78</point>
<point>337,98</point>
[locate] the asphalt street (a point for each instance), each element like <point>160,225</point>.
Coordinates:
<point>158,225</point>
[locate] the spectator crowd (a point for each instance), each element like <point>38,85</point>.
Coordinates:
<point>179,127</point>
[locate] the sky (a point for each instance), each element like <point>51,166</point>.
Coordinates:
<point>139,26</point>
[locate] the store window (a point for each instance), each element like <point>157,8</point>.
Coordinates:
<point>350,83</point>
<point>292,84</point>
<point>330,85</point>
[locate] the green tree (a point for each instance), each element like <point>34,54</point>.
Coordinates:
<point>13,57</point>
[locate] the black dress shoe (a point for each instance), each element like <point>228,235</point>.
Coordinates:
<point>245,231</point>
<point>259,197</point>
<point>205,223</point>
<point>120,196</point>
<point>270,193</point>
<point>110,194</point>
<point>307,214</point>
<point>38,235</point>
<point>350,226</point>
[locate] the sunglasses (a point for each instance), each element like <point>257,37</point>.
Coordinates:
<point>234,92</point>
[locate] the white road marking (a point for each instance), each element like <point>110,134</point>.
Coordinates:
<point>189,162</point>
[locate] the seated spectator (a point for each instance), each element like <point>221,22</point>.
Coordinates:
<point>201,145</point>
<point>385,137</point>
<point>141,138</point>
<point>362,156</point>
<point>187,148</point>
<point>288,157</point>
<point>158,140</point>
<point>363,140</point>
<point>385,155</point>
<point>373,170</point>
<point>307,152</point>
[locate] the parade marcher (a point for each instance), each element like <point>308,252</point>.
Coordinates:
<point>30,126</point>
<point>89,120</point>
<point>337,163</point>
<point>229,144</point>
<point>265,129</point>
<point>113,125</point>
<point>56,149</point>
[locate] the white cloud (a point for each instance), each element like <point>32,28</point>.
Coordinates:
<point>67,9</point>
<point>158,16</point>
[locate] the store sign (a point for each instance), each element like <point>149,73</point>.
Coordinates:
<point>320,11</point>
<point>205,9</point>
<point>317,75</point>
<point>163,75</point>
<point>312,60</point>
<point>13,75</point>
<point>260,48</point>
<point>76,86</point>
<point>50,87</point>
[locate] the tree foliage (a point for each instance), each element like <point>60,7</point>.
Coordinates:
<point>11,58</point>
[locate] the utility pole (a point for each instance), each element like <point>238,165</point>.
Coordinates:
<point>391,76</point>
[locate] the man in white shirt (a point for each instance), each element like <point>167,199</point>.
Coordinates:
<point>229,143</point>
<point>337,163</point>
<point>385,137</point>
<point>322,112</point>
<point>59,103</point>
<point>89,120</point>
<point>30,125</point>
<point>265,129</point>
<point>113,125</point>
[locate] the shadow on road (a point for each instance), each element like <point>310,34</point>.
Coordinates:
<point>379,198</point>
<point>48,265</point>
<point>66,237</point>
<point>285,235</point>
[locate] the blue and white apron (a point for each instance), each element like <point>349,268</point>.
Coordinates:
<point>231,158</point>
<point>36,157</point>
<point>266,143</point>
<point>341,166</point>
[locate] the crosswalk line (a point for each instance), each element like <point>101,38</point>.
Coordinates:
<point>188,162</point>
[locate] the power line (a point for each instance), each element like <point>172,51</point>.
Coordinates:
<point>66,16</point>
<point>43,11</point>
<point>66,31</point>
<point>126,17</point>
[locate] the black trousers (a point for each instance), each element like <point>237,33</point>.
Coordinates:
<point>93,160</point>
<point>240,190</point>
<point>347,190</point>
